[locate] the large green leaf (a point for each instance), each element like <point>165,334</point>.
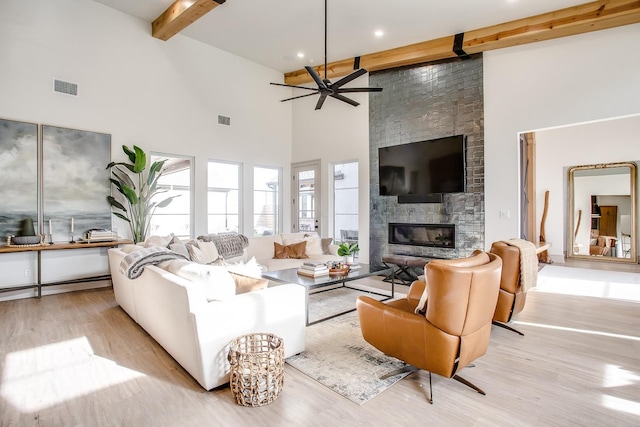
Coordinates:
<point>140,160</point>
<point>130,194</point>
<point>116,204</point>
<point>167,201</point>
<point>119,215</point>
<point>129,153</point>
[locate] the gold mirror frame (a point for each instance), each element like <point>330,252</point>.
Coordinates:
<point>577,250</point>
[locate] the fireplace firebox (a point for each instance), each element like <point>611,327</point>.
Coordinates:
<point>432,235</point>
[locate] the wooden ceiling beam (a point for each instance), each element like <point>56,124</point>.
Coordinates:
<point>597,15</point>
<point>180,15</point>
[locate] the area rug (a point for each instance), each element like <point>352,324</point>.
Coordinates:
<point>339,358</point>
<point>327,303</point>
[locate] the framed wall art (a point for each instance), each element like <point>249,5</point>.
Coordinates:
<point>19,166</point>
<point>75,181</point>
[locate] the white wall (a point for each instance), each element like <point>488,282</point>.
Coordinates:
<point>163,96</point>
<point>546,84</point>
<point>336,133</point>
<point>559,149</point>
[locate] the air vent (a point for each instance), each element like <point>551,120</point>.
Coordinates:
<point>223,120</point>
<point>65,87</point>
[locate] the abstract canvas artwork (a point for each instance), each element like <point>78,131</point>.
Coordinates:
<point>75,181</point>
<point>19,166</point>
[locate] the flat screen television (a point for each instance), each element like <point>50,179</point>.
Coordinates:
<point>422,168</point>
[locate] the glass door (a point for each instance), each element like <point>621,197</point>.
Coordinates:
<point>306,198</point>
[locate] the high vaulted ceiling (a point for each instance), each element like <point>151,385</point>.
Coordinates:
<point>274,32</point>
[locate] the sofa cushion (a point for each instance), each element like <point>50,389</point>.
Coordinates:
<point>262,247</point>
<point>215,281</point>
<point>295,250</point>
<point>127,249</point>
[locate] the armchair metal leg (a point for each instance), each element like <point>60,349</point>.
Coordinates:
<point>407,368</point>
<point>505,326</point>
<point>469,384</point>
<point>410,369</point>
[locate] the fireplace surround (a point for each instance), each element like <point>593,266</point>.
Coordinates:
<point>431,235</point>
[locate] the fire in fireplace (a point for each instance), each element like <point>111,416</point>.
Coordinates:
<point>433,235</point>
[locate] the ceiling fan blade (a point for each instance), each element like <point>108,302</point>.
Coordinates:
<point>358,89</point>
<point>345,99</point>
<point>301,96</point>
<point>348,78</point>
<point>316,78</point>
<point>298,87</point>
<point>321,101</point>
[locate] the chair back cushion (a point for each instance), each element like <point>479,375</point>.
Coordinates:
<point>463,299</point>
<point>510,255</point>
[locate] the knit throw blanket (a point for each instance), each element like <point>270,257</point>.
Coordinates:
<point>133,264</point>
<point>229,245</point>
<point>528,262</point>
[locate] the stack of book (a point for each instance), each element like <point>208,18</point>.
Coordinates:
<point>313,269</point>
<point>100,236</point>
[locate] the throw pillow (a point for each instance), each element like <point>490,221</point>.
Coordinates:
<point>246,284</point>
<point>210,250</point>
<point>421,308</point>
<point>251,268</point>
<point>158,241</point>
<point>296,250</point>
<point>325,245</point>
<point>314,245</point>
<point>216,282</point>
<point>314,242</point>
<point>178,246</point>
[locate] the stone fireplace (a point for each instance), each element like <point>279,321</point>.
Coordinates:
<point>420,103</point>
<point>431,235</point>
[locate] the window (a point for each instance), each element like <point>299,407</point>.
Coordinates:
<point>266,205</point>
<point>223,199</point>
<point>345,202</point>
<point>176,180</point>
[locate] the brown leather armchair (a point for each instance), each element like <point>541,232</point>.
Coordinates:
<point>455,327</point>
<point>512,297</point>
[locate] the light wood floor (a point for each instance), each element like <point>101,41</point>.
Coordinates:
<point>77,359</point>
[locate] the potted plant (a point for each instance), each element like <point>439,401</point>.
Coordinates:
<point>138,187</point>
<point>348,250</point>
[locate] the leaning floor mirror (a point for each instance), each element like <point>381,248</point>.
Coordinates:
<point>602,212</point>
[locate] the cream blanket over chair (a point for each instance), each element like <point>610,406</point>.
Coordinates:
<point>528,262</point>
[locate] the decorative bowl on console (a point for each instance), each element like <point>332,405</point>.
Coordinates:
<point>25,240</point>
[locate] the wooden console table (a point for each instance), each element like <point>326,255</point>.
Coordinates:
<point>54,247</point>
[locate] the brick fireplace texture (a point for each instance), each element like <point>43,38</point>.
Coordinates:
<point>420,103</point>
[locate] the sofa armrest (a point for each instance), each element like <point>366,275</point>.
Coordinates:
<point>279,310</point>
<point>333,249</point>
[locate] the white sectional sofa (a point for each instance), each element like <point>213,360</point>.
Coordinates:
<point>262,249</point>
<point>196,331</point>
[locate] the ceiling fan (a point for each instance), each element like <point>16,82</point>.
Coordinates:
<point>325,87</point>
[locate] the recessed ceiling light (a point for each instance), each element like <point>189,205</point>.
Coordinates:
<point>379,33</point>
<point>300,55</point>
